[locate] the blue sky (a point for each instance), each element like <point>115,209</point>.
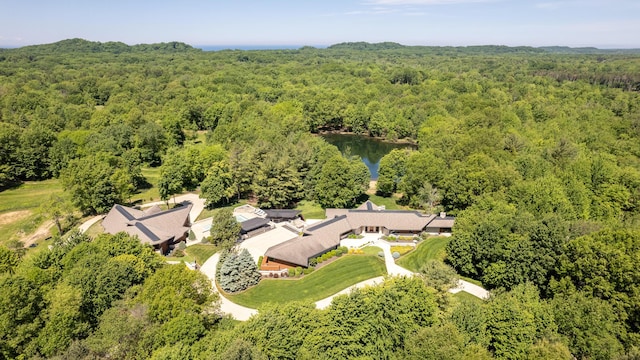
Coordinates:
<point>600,23</point>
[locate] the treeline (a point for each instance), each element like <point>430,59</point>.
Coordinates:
<point>542,170</point>
<point>114,298</point>
<point>105,290</point>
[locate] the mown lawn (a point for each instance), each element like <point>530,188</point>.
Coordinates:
<point>94,230</point>
<point>311,210</point>
<point>342,273</point>
<point>207,213</point>
<point>388,202</point>
<point>429,249</point>
<point>201,252</point>
<point>465,296</point>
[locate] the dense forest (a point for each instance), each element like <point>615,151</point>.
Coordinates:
<point>535,150</point>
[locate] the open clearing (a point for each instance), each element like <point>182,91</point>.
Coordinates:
<point>19,218</point>
<point>11,217</point>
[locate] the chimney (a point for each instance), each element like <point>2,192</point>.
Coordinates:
<point>443,214</point>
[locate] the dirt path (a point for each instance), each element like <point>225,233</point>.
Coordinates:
<point>372,187</point>
<point>41,233</point>
<point>8,218</point>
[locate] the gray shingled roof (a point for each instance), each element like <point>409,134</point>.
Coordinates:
<point>282,213</point>
<point>317,239</point>
<point>253,224</point>
<point>442,222</point>
<point>150,227</point>
<point>326,235</point>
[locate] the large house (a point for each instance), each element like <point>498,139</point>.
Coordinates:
<point>368,218</point>
<point>153,226</point>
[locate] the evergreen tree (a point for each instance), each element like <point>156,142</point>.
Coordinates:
<point>239,272</point>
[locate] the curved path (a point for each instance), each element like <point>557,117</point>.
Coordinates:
<point>470,288</point>
<point>243,313</point>
<point>87,224</point>
<point>324,303</point>
<point>392,268</point>
<point>238,312</point>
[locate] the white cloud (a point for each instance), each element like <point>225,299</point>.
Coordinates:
<point>373,11</point>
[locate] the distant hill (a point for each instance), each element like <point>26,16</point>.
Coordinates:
<point>361,45</point>
<point>481,49</point>
<point>586,50</point>
<point>85,46</point>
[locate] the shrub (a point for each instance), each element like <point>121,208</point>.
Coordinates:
<point>178,253</point>
<point>313,262</point>
<point>308,271</point>
<point>395,254</point>
<point>298,270</point>
<point>344,249</point>
<point>181,245</point>
<point>260,261</point>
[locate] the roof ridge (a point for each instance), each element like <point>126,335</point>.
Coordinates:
<point>164,212</point>
<point>327,222</point>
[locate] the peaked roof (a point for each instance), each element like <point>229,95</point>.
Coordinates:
<point>316,240</point>
<point>325,235</point>
<point>370,214</point>
<point>150,226</point>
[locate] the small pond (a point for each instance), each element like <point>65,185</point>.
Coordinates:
<point>369,149</point>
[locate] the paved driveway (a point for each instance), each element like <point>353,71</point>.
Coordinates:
<point>196,209</point>
<point>238,312</point>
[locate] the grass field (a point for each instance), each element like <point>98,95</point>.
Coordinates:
<point>151,194</point>
<point>201,252</point>
<point>388,202</point>
<point>465,296</point>
<point>311,210</point>
<point>19,213</point>
<point>207,213</point>
<point>95,230</point>
<point>342,273</point>
<point>431,248</point>
<point>28,195</point>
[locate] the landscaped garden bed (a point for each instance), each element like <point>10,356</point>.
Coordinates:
<point>402,250</point>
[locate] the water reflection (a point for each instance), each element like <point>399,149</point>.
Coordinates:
<point>370,150</point>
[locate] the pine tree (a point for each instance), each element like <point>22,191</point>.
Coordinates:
<point>238,272</point>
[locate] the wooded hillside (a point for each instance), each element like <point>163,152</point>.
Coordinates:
<point>535,150</point>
